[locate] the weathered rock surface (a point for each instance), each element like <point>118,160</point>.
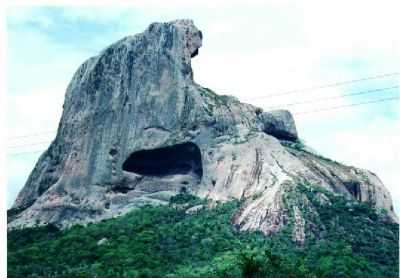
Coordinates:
<point>136,129</point>
<point>280,124</point>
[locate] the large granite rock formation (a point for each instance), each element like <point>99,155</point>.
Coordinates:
<point>136,129</point>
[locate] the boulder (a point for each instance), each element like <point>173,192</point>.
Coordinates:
<point>136,129</point>
<point>280,124</point>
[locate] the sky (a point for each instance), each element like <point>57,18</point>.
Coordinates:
<point>252,51</point>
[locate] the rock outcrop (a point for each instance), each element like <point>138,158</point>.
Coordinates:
<point>280,124</point>
<point>136,129</point>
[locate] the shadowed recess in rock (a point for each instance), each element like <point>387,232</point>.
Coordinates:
<point>181,159</point>
<point>279,133</point>
<point>354,189</point>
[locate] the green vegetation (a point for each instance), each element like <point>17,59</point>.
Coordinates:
<point>301,146</point>
<point>220,100</point>
<point>165,241</point>
<point>364,232</point>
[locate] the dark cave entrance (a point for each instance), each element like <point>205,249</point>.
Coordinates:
<point>279,133</point>
<point>181,159</point>
<point>354,188</point>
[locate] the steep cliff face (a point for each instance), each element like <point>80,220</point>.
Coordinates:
<point>136,129</point>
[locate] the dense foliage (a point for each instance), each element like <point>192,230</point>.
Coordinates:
<point>166,241</point>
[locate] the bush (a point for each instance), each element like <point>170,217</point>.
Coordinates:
<point>164,241</point>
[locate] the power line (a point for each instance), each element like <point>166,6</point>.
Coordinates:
<point>19,153</point>
<point>333,97</point>
<point>33,144</point>
<point>298,113</point>
<point>33,134</point>
<point>348,105</point>
<point>313,88</point>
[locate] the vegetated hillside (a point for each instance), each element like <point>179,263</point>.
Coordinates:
<point>347,239</point>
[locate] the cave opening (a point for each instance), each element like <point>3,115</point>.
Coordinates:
<point>354,189</point>
<point>181,159</point>
<point>279,133</point>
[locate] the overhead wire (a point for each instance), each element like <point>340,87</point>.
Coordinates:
<point>324,86</point>
<point>347,105</point>
<point>313,88</point>
<point>298,113</point>
<point>33,134</point>
<point>26,145</point>
<point>19,153</point>
<point>333,97</point>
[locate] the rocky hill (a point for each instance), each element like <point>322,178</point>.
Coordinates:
<point>137,129</point>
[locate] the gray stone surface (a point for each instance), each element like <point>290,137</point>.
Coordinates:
<point>136,129</point>
<point>279,123</point>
